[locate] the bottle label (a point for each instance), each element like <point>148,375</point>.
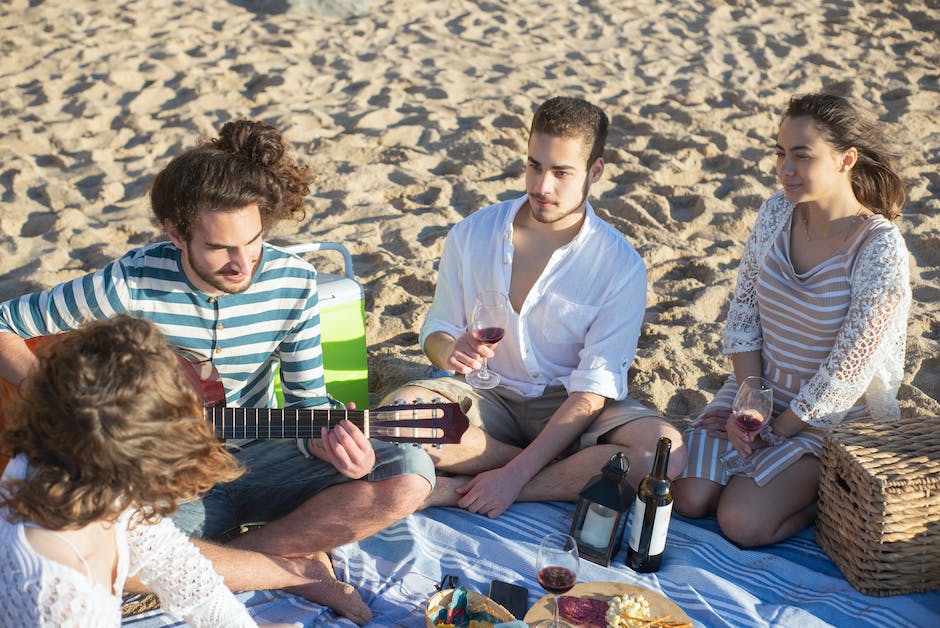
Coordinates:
<point>660,527</point>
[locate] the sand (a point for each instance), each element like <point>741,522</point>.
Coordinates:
<point>414,114</point>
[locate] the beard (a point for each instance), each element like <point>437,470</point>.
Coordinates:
<point>562,213</point>
<point>217,278</point>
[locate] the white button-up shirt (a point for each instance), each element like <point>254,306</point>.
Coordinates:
<point>580,322</point>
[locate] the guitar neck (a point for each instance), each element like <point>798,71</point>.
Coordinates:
<point>273,423</point>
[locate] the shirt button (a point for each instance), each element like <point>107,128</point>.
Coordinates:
<point>220,326</point>
<point>218,350</point>
<point>211,299</point>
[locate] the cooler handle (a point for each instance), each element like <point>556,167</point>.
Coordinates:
<point>296,249</point>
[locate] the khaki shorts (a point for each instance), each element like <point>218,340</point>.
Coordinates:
<point>512,418</point>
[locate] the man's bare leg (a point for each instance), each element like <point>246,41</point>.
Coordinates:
<point>311,577</point>
<point>559,481</point>
<point>289,553</point>
<point>338,515</point>
<point>638,440</point>
<point>562,480</point>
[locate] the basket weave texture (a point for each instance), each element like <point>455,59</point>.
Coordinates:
<point>879,504</point>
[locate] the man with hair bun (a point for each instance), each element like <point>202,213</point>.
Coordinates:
<point>217,290</point>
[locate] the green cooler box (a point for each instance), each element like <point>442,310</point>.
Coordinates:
<point>342,330</point>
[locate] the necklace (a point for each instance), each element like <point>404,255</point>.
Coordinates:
<point>844,232</point>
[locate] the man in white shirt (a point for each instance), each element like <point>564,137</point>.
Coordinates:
<point>578,294</point>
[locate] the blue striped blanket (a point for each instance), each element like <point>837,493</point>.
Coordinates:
<point>716,583</point>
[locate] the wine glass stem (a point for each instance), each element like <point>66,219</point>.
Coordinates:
<point>555,622</point>
<point>483,370</point>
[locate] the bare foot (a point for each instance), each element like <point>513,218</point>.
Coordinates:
<point>325,589</point>
<point>445,493</point>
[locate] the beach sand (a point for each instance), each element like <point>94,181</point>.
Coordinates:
<point>415,114</point>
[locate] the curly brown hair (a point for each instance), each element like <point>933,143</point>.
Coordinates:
<point>845,125</point>
<point>574,118</point>
<point>249,162</point>
<point>108,422</point>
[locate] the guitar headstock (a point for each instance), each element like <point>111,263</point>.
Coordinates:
<point>422,423</point>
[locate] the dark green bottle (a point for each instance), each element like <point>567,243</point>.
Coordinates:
<point>651,513</point>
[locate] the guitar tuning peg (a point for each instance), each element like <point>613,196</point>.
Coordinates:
<point>399,401</point>
<point>418,400</point>
<point>438,446</point>
<point>437,399</point>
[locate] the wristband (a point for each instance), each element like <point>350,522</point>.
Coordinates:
<point>770,437</point>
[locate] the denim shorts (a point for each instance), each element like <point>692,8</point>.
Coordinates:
<point>278,479</point>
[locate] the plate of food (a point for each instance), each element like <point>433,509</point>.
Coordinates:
<point>611,605</point>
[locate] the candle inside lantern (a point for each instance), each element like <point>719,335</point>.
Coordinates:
<point>598,524</point>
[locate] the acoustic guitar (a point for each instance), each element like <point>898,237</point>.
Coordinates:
<point>422,423</point>
<point>8,390</point>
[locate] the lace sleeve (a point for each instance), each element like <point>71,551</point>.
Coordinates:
<point>742,330</point>
<point>173,568</point>
<point>874,324</point>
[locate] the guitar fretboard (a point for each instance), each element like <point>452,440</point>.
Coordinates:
<point>272,423</point>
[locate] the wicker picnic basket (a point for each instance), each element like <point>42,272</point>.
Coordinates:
<point>879,504</point>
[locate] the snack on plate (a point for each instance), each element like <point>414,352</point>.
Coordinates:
<point>585,611</point>
<point>460,608</point>
<point>628,611</point>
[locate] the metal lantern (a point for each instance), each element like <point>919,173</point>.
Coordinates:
<point>600,517</point>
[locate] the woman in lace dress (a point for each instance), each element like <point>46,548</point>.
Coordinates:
<point>820,310</point>
<point>109,437</point>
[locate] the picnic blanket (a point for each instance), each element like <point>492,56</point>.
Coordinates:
<point>716,583</point>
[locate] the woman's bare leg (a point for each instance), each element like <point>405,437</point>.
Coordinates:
<point>752,516</point>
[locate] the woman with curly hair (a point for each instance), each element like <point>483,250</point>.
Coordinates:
<point>107,439</point>
<point>819,311</point>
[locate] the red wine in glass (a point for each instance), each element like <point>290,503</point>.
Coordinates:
<point>753,403</point>
<point>748,422</point>
<point>557,567</point>
<point>489,335</point>
<point>488,324</point>
<point>557,580</point>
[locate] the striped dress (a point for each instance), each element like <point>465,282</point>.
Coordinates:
<point>243,335</point>
<point>802,317</point>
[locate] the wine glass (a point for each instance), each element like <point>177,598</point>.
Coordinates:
<point>488,324</point>
<point>752,406</point>
<point>557,566</point>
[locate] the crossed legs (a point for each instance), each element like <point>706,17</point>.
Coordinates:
<point>561,480</point>
<point>308,508</point>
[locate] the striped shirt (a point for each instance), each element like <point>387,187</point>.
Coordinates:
<point>243,335</point>
<point>801,314</point>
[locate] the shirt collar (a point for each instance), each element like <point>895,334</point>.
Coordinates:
<point>590,218</point>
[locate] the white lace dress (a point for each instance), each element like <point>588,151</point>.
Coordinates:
<point>831,339</point>
<point>37,591</point>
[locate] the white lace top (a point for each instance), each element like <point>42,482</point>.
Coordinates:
<point>866,361</point>
<point>37,591</point>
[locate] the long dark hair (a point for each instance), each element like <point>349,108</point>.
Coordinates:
<point>844,125</point>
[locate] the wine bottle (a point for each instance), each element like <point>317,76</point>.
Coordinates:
<point>651,512</point>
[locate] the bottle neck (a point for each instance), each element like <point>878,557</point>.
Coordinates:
<point>661,460</point>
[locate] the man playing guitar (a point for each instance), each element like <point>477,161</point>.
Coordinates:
<point>217,290</point>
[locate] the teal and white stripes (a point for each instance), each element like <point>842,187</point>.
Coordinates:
<point>244,334</point>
